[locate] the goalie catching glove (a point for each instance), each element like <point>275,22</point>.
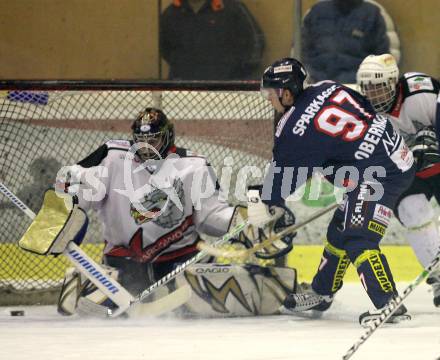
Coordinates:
<point>425,149</point>
<point>59,221</point>
<point>264,222</point>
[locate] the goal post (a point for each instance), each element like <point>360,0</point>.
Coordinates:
<point>45,125</point>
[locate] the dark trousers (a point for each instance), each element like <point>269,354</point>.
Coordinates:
<point>354,234</point>
<point>136,276</point>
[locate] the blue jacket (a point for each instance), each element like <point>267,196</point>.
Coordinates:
<point>334,44</point>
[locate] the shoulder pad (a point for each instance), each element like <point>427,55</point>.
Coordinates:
<point>182,152</point>
<point>118,144</point>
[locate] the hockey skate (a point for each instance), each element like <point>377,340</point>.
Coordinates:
<point>307,300</point>
<point>401,314</point>
<point>434,281</point>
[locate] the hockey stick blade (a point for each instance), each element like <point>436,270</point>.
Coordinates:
<point>243,254</point>
<point>163,305</point>
<point>392,306</point>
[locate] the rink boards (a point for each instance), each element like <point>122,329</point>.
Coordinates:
<point>305,258</point>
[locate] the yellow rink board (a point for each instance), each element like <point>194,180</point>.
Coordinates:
<point>305,258</point>
<point>403,263</point>
<point>16,263</point>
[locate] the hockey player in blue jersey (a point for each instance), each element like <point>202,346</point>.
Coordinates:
<point>334,130</point>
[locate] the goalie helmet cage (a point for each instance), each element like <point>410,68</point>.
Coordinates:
<point>45,125</point>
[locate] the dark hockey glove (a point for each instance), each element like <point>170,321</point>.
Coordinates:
<point>425,148</point>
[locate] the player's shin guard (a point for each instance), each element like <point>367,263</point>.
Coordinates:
<point>327,281</point>
<point>377,280</point>
<point>376,277</point>
<point>331,271</point>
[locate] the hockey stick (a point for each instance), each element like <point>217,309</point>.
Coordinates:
<point>392,306</point>
<point>243,254</point>
<point>181,267</point>
<point>94,272</point>
<point>165,304</point>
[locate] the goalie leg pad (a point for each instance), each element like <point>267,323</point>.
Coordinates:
<point>235,290</point>
<point>70,290</point>
<point>79,295</point>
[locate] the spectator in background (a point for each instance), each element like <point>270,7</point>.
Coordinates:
<point>210,40</point>
<point>338,34</point>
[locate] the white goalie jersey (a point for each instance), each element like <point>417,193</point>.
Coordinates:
<point>152,210</point>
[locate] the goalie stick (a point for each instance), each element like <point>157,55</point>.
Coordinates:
<point>243,254</point>
<point>392,306</point>
<point>157,307</point>
<point>165,304</point>
<point>181,267</point>
<point>110,287</point>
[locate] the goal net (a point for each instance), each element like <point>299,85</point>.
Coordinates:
<point>47,125</point>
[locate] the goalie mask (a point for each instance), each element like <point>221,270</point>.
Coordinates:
<point>153,128</point>
<point>377,77</point>
<point>287,73</point>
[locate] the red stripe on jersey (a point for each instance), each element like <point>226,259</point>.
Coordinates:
<point>395,111</point>
<point>136,252</point>
<point>429,172</point>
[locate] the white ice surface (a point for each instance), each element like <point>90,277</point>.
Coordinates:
<point>44,335</point>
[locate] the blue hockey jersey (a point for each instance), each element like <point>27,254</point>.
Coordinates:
<point>333,130</point>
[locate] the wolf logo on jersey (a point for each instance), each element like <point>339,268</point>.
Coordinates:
<point>153,203</point>
<point>159,207</point>
<point>171,214</point>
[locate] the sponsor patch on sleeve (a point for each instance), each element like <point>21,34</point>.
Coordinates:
<point>376,227</point>
<point>418,83</point>
<point>123,144</point>
<point>382,214</point>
